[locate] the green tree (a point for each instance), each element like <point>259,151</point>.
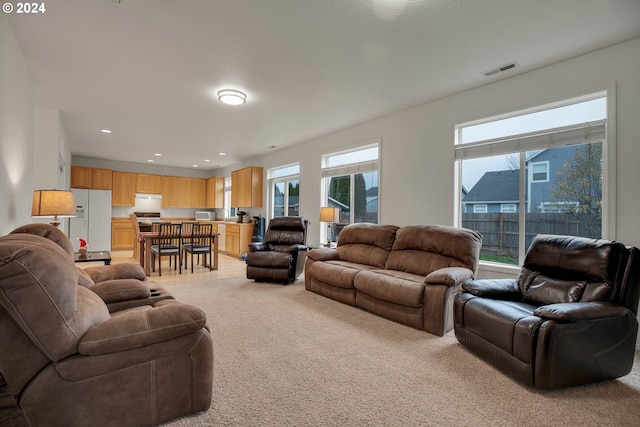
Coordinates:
<point>579,188</point>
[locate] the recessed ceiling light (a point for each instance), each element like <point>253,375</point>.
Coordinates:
<point>222,154</point>
<point>271,147</point>
<point>232,97</point>
<point>150,161</point>
<point>158,154</point>
<point>207,160</point>
<point>105,131</point>
<point>195,166</point>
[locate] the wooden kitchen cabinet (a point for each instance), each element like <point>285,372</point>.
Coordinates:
<point>177,192</point>
<point>124,189</point>
<point>81,177</point>
<point>91,178</point>
<point>199,188</point>
<point>121,234</point>
<point>215,192</point>
<point>237,238</point>
<point>147,183</point>
<point>246,187</point>
<point>102,179</point>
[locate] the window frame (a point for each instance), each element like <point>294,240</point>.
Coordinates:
<point>350,169</point>
<point>609,181</point>
<point>273,178</point>
<point>533,172</point>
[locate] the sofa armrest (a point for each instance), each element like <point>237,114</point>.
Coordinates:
<point>116,271</point>
<point>141,328</point>
<point>323,254</point>
<point>580,311</point>
<point>449,276</point>
<point>505,289</point>
<point>121,290</point>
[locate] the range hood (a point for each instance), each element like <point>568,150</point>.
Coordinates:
<point>148,196</point>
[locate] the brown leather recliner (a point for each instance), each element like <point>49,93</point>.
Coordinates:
<point>568,319</point>
<point>69,362</point>
<point>121,286</point>
<point>280,257</point>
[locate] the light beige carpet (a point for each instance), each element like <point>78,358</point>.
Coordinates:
<point>284,356</point>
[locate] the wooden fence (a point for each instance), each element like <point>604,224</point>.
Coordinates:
<point>500,230</point>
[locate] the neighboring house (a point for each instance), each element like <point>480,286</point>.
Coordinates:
<point>495,192</point>
<point>543,172</point>
<point>498,191</point>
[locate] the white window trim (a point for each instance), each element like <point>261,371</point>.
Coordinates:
<point>285,178</point>
<point>531,173</point>
<point>484,206</point>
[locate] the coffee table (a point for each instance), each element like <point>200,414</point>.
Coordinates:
<point>93,257</point>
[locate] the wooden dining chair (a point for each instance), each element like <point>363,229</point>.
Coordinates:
<point>136,235</point>
<point>168,245</point>
<point>199,243</point>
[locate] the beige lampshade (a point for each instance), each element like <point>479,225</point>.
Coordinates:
<point>329,214</point>
<point>53,203</point>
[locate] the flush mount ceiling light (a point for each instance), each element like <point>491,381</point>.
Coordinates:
<point>232,97</point>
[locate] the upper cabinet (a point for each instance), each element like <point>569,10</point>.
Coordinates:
<point>215,192</point>
<point>199,192</point>
<point>92,178</point>
<point>124,189</point>
<point>246,187</point>
<point>177,192</point>
<point>146,183</point>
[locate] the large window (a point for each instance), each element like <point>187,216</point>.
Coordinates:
<point>350,183</point>
<point>284,182</point>
<point>538,172</point>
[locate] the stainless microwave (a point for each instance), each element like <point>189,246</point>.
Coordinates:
<point>205,216</point>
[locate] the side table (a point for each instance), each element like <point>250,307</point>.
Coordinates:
<point>93,257</point>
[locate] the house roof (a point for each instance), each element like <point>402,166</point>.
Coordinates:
<point>496,186</point>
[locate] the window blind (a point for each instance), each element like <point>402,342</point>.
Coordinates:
<point>594,131</point>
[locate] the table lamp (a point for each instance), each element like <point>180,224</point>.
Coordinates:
<point>53,204</point>
<point>329,215</point>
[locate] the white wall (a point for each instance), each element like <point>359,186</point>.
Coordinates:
<point>16,133</point>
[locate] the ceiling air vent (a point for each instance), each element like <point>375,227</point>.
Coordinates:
<point>501,68</point>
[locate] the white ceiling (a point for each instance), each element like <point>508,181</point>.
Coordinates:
<point>149,69</point>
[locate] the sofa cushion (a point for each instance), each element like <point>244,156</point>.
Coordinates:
<point>365,243</point>
<point>336,273</point>
<point>393,286</point>
<point>421,249</point>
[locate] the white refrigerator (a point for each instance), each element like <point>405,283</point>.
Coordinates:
<point>93,219</point>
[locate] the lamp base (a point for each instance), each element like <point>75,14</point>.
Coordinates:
<point>55,221</point>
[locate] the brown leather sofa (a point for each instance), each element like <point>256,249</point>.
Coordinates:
<point>407,274</point>
<point>280,256</point>
<point>568,319</point>
<point>70,362</point>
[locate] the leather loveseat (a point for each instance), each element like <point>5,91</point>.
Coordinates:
<point>407,274</point>
<point>69,361</point>
<point>568,319</point>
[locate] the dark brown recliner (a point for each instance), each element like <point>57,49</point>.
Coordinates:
<point>280,257</point>
<point>69,362</point>
<point>568,319</point>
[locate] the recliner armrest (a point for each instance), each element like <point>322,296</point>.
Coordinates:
<point>296,248</point>
<point>116,271</point>
<point>580,311</point>
<point>449,276</point>
<point>505,289</point>
<point>141,328</point>
<point>323,254</point>
<point>258,247</point>
<point>121,290</point>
